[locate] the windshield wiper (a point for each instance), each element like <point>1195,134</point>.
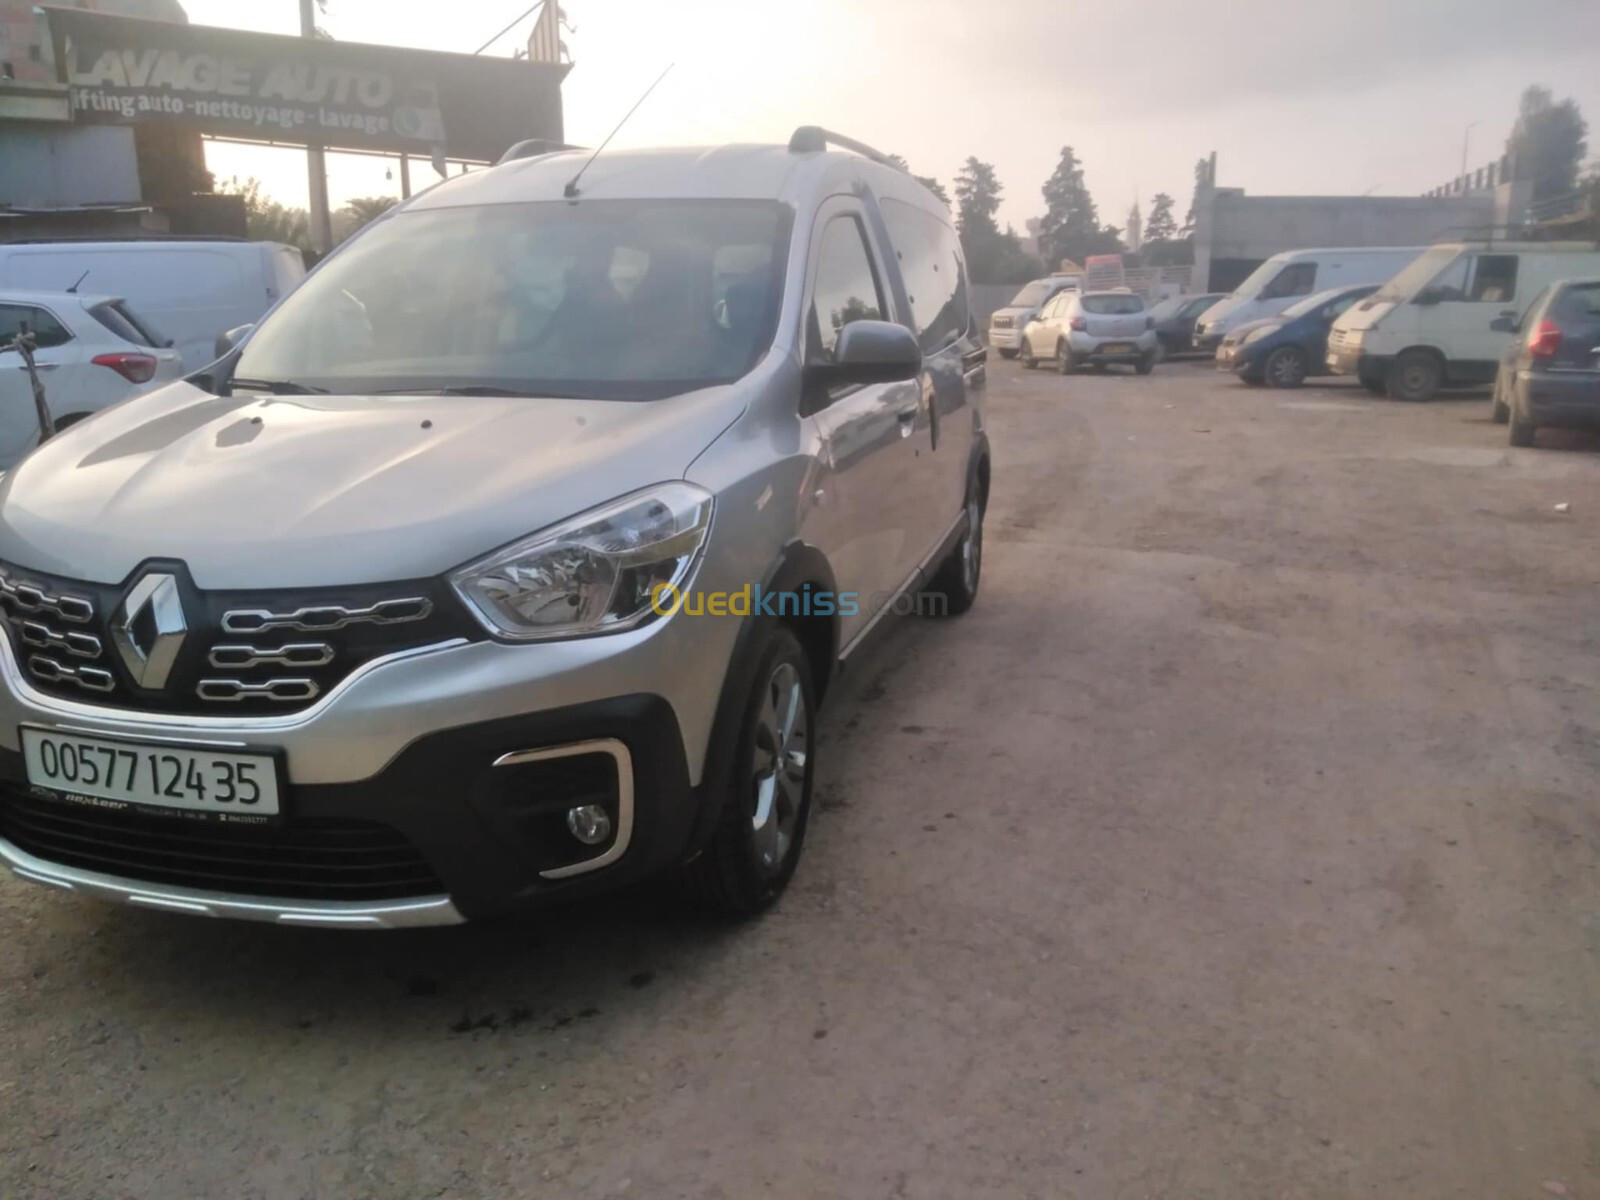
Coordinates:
<point>278,387</point>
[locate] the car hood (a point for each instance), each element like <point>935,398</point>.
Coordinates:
<point>1363,315</point>
<point>1239,332</point>
<point>1013,312</point>
<point>307,491</point>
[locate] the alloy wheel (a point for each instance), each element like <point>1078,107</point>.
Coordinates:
<point>781,745</point>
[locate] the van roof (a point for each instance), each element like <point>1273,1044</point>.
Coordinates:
<point>1350,250</point>
<point>1521,247</point>
<point>151,245</point>
<point>733,172</point>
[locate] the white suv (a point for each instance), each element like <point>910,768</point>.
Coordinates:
<point>508,558</point>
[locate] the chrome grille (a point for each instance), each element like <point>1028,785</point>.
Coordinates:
<point>242,653</point>
<point>324,618</point>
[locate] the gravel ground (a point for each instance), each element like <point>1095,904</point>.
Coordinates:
<point>1242,842</point>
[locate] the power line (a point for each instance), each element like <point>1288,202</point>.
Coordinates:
<point>510,27</point>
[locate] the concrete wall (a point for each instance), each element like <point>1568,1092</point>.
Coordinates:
<point>1243,229</point>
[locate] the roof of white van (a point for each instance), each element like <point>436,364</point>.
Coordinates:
<point>144,245</point>
<point>1520,247</point>
<point>734,172</point>
<point>1351,250</point>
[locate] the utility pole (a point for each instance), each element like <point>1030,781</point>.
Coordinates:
<point>1466,134</point>
<point>316,158</point>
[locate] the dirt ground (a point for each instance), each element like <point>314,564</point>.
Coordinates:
<point>1244,841</point>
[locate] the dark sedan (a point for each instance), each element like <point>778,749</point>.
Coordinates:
<point>1283,350</point>
<point>1175,318</point>
<point>1550,374</point>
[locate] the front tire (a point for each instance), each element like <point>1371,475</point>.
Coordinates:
<point>1286,367</point>
<point>1003,353</point>
<point>1415,377</point>
<point>767,802</point>
<point>1025,354</point>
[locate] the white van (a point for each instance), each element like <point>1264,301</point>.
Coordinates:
<point>1446,318</point>
<point>1294,275</point>
<point>188,290</point>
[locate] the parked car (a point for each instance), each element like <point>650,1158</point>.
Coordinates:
<point>189,290</point>
<point>1550,371</point>
<point>507,560</point>
<point>1287,278</point>
<point>92,351</point>
<point>1445,319</point>
<point>1283,350</point>
<point>1092,329</point>
<point>1006,324</point>
<point>1175,318</point>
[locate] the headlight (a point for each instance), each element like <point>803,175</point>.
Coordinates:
<point>595,573</point>
<point>1255,335</point>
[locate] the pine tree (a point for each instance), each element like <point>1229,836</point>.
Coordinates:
<point>1547,144</point>
<point>978,194</point>
<point>1160,227</point>
<point>1202,176</point>
<point>1070,227</point>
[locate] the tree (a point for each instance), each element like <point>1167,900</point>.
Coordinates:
<point>365,209</point>
<point>927,181</point>
<point>265,219</point>
<point>977,201</point>
<point>1160,227</point>
<point>1070,227</point>
<point>1547,143</point>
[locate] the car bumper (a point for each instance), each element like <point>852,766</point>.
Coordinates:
<point>1559,398</point>
<point>1207,343</point>
<point>409,748</point>
<point>1352,361</point>
<point>467,822</point>
<point>1005,339</point>
<point>1113,350</point>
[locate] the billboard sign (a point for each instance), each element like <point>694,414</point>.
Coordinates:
<point>231,83</point>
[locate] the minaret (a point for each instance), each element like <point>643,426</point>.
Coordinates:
<point>1135,233</point>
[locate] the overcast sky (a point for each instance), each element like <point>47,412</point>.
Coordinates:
<point>1295,96</point>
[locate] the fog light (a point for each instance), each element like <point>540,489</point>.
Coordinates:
<point>589,823</point>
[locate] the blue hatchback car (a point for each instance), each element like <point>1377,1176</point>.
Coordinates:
<point>1283,350</point>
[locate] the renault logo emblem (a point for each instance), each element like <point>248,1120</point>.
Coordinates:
<point>149,629</point>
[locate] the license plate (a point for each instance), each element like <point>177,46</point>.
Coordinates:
<point>108,773</point>
<point>1117,348</point>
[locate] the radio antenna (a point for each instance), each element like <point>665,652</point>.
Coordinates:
<point>571,190</point>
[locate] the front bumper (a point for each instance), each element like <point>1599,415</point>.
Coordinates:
<point>491,834</point>
<point>1207,343</point>
<point>1348,360</point>
<point>1005,339</point>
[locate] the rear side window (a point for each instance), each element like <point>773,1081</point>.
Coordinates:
<point>1494,279</point>
<point>47,331</point>
<point>1113,305</point>
<point>930,261</point>
<point>116,317</point>
<point>846,287</point>
<point>1297,279</point>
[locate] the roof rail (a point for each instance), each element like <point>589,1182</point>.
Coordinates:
<point>532,148</point>
<point>814,139</point>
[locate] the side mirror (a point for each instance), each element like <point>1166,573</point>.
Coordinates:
<point>1504,323</point>
<point>870,352</point>
<point>1428,295</point>
<point>227,341</point>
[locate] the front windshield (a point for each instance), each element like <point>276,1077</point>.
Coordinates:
<point>1419,274</point>
<point>1257,280</point>
<point>599,299</point>
<point>1311,303</point>
<point>1035,294</point>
